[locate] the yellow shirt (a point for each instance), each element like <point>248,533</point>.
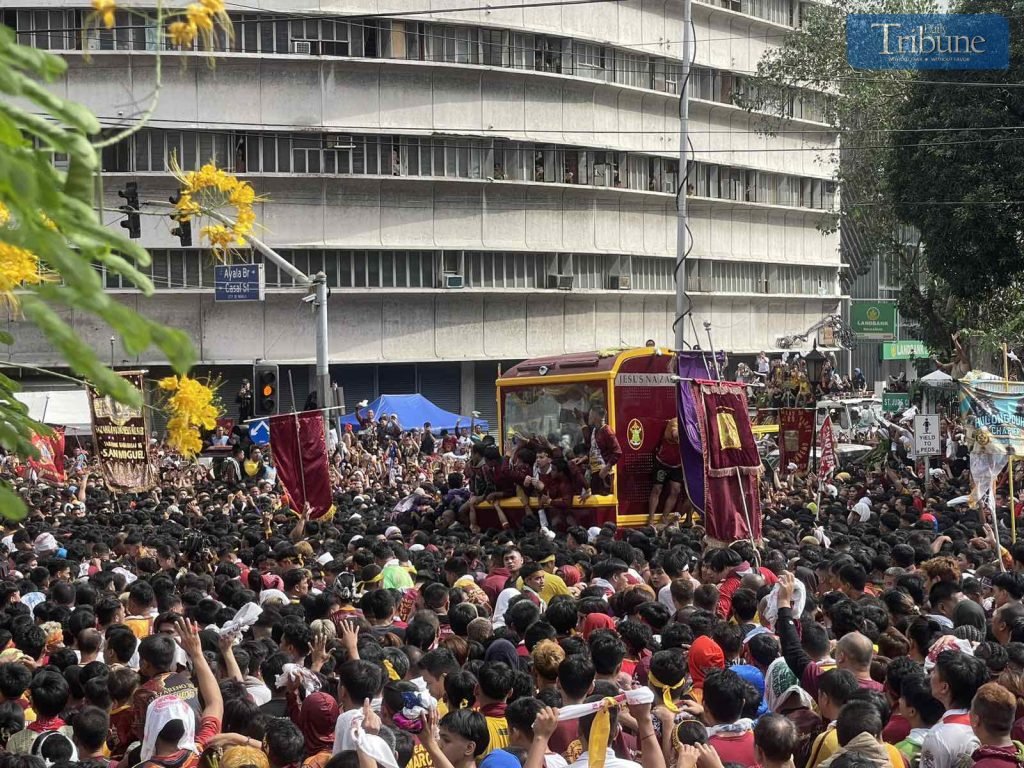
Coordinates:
<point>827,744</point>
<point>553,586</point>
<point>497,729</point>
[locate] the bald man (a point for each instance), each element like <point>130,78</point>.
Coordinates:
<point>853,651</point>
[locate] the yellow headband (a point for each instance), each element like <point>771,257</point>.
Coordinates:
<point>600,733</point>
<point>390,669</point>
<point>666,691</point>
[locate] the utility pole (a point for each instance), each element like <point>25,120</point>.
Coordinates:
<point>682,240</point>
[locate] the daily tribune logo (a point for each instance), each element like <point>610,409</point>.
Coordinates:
<point>927,41</point>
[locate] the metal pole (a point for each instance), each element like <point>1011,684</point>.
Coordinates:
<point>682,240</point>
<point>323,375</point>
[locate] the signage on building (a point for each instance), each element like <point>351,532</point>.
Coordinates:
<point>871,319</point>
<point>904,350</point>
<point>926,435</point>
<point>238,282</point>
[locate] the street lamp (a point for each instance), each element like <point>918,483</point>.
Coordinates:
<point>815,364</point>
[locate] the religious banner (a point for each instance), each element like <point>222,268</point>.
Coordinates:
<point>121,435</point>
<point>50,464</point>
<point>796,434</point>
<point>993,413</point>
<point>692,366</point>
<point>299,446</point>
<point>826,449</point>
<point>717,411</point>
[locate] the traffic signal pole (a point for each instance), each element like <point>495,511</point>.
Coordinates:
<point>317,284</point>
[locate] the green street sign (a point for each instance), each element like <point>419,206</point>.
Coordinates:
<point>895,402</point>
<point>871,319</point>
<point>904,350</point>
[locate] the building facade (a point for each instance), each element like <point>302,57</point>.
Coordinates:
<point>529,155</point>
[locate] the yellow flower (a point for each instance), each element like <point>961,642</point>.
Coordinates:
<point>18,267</point>
<point>105,10</point>
<point>191,407</point>
<point>199,17</point>
<point>48,222</point>
<point>5,214</point>
<point>182,33</point>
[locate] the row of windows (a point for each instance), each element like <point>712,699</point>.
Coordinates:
<point>457,158</point>
<point>708,276</point>
<point>193,269</point>
<point>375,39</point>
<point>726,183</point>
<point>785,12</point>
<point>727,88</point>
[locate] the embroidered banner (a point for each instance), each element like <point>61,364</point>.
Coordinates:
<point>121,435</point>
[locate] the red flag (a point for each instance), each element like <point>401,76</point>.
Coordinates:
<point>826,449</point>
<point>50,464</point>
<point>299,447</point>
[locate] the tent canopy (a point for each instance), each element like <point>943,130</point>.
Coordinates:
<point>67,408</point>
<point>413,412</point>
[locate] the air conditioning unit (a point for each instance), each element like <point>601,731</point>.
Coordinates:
<point>452,280</point>
<point>302,47</point>
<point>561,282</point>
<point>620,282</point>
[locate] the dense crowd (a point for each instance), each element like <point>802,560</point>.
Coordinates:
<point>206,622</point>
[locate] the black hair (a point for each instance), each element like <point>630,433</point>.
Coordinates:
<point>764,649</point>
<point>496,680</point>
<point>285,744</point>
<point>50,693</point>
<point>158,650</point>
<point>14,680</point>
<point>963,674</point>
<point>917,692</point>
<point>607,650</point>
<point>858,717</point>
<point>724,695</point>
<point>470,725</point>
<point>90,727</point>
<point>460,689</point>
<point>839,685</point>
<point>361,679</point>
<point>776,736</point>
<point>521,713</point>
<point>576,675</point>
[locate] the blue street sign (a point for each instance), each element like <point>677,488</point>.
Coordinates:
<point>259,431</point>
<point>238,282</point>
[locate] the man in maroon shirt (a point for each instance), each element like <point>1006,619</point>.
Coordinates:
<point>496,578</point>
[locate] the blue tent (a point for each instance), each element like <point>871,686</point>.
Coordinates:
<point>413,411</point>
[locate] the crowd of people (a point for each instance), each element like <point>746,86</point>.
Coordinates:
<point>206,622</point>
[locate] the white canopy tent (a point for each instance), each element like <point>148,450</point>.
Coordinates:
<point>68,408</point>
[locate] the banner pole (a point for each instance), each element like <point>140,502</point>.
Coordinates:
<point>1013,507</point>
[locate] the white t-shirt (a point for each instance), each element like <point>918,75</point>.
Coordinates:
<point>948,741</point>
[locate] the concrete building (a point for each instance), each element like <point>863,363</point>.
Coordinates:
<point>529,155</point>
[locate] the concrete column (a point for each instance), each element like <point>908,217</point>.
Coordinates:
<point>468,398</point>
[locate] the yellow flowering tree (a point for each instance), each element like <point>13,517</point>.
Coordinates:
<point>192,407</point>
<point>52,240</point>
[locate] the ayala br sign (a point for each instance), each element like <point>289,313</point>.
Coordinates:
<point>927,41</point>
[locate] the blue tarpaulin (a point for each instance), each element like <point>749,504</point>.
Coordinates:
<point>413,411</point>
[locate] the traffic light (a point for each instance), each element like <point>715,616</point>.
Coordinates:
<point>265,394</point>
<point>130,193</point>
<point>184,229</point>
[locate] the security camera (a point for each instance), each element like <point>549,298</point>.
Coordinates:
<point>310,298</point>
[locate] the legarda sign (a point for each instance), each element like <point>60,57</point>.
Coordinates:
<point>873,319</point>
<point>908,41</point>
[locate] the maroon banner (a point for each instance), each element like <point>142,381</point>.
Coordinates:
<point>299,447</point>
<point>732,506</point>
<point>796,433</point>
<point>826,449</point>
<point>731,441</point>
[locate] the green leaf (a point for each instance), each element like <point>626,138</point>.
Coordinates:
<point>12,508</point>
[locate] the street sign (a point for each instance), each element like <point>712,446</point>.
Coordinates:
<point>238,282</point>
<point>926,435</point>
<point>904,350</point>
<point>895,402</point>
<point>870,319</point>
<point>259,431</point>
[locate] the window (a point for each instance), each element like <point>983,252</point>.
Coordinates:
<point>494,46</point>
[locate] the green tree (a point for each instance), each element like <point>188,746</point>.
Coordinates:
<point>51,240</point>
<point>963,189</point>
<point>865,108</point>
